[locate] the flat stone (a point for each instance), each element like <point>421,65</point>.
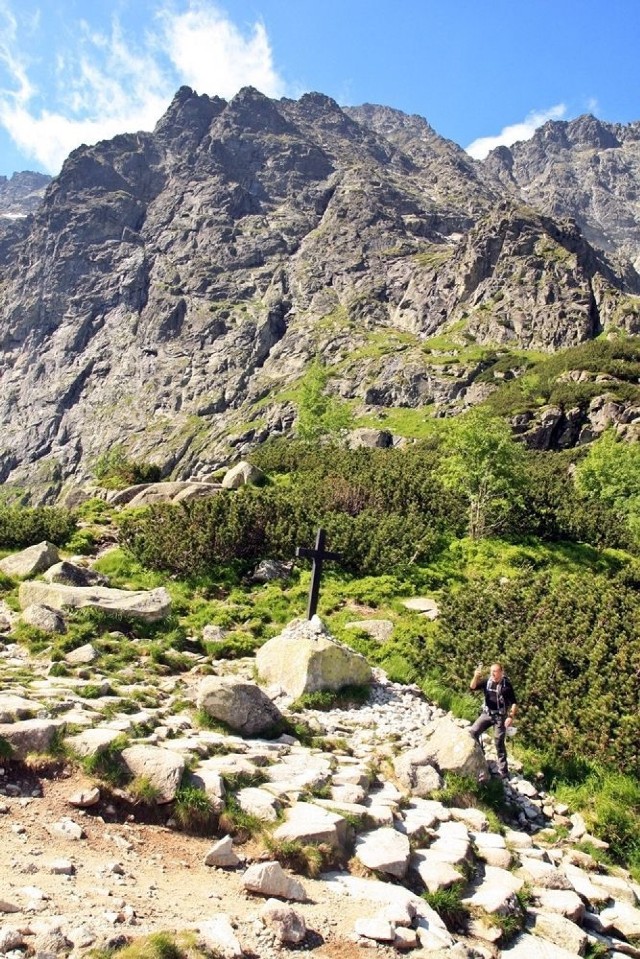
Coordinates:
<point>517,839</point>
<point>495,891</point>
<point>492,848</point>
<point>583,885</point>
<point>622,917</point>
<point>259,803</point>
<point>219,938</point>
<point>17,707</point>
<point>375,927</point>
<point>558,930</point>
<point>616,887</point>
<point>384,850</point>
<point>542,873</point>
<point>308,823</point>
<point>528,946</point>
<point>564,902</point>
<point>473,818</point>
<point>434,873</point>
<point>379,629</point>
<point>423,604</point>
<point>82,656</point>
<point>91,741</point>
<point>30,736</point>
<point>348,794</point>
<point>148,605</point>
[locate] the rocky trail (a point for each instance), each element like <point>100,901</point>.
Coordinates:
<point>85,865</point>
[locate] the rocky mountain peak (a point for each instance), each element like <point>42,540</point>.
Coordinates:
<point>584,168</point>
<point>188,117</point>
<point>589,131</point>
<point>171,289</point>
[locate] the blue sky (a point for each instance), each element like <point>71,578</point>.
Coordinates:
<point>74,71</point>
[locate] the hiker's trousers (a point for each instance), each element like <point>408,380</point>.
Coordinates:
<point>482,723</point>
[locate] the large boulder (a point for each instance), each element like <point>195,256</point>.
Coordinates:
<point>450,748</point>
<point>31,561</point>
<point>242,474</point>
<point>305,658</point>
<point>149,605</point>
<point>239,704</point>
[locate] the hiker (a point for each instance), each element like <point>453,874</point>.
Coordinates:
<point>499,710</point>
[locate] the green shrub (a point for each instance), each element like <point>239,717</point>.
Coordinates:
<point>106,764</point>
<point>114,470</point>
<point>193,810</point>
<point>233,646</point>
<point>307,859</point>
<point>449,906</point>
<point>142,790</point>
<point>21,526</point>
<point>36,640</point>
<point>569,643</point>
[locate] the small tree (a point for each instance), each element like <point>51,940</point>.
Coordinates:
<point>320,414</point>
<point>610,473</point>
<point>482,461</point>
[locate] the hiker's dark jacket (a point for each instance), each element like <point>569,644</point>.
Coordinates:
<point>498,697</point>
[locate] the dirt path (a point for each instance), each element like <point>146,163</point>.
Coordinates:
<point>131,877</point>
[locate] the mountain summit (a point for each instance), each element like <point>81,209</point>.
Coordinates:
<point>172,286</point>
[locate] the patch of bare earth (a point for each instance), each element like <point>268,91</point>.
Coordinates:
<point>163,879</point>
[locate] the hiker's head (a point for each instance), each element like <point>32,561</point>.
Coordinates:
<point>497,672</point>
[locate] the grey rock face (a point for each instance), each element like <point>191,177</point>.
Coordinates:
<point>586,169</point>
<point>21,194</point>
<point>197,269</point>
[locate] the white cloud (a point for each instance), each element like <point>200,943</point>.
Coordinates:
<point>516,131</point>
<point>211,54</point>
<point>107,84</point>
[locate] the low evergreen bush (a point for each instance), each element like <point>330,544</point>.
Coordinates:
<point>24,526</point>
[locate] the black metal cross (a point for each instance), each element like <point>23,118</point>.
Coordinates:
<point>317,556</point>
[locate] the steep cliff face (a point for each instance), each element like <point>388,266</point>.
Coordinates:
<point>22,193</point>
<point>586,169</point>
<point>171,288</point>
